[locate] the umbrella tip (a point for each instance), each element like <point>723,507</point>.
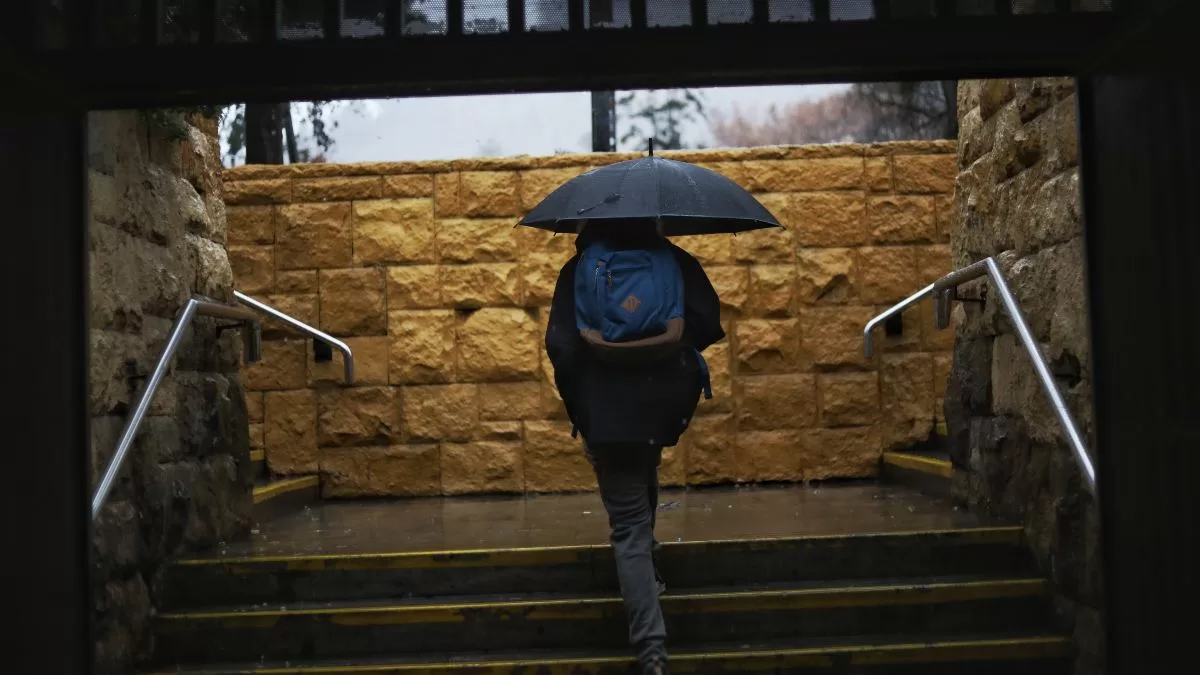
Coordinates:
<point>651,146</point>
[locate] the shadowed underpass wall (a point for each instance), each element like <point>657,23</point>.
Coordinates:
<point>1018,199</point>
<point>157,237</point>
<point>418,265</point>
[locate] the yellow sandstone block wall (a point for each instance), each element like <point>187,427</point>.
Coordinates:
<point>444,302</point>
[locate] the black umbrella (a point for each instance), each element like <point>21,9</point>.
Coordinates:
<point>680,198</point>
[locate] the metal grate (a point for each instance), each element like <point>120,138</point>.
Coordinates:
<point>485,17</point>
<point>362,18</point>
<point>121,23</point>
<point>851,10</point>
<point>425,17</point>
<point>668,13</point>
<point>730,11</point>
<point>237,20</point>
<point>546,15</point>
<point>790,11</point>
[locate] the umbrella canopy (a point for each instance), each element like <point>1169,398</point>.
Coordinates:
<point>683,198</point>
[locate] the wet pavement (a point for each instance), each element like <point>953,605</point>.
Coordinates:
<point>711,514</point>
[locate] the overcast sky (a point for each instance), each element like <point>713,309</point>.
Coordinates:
<point>508,124</point>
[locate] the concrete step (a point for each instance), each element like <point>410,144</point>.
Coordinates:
<point>1002,654</point>
<point>944,607</point>
<point>275,497</point>
<point>927,471</point>
<point>330,577</point>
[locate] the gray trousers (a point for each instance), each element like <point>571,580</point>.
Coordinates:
<point>628,478</point>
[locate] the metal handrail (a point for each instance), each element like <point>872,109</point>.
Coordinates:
<point>868,332</point>
<point>195,307</point>
<point>347,354</point>
<point>943,291</point>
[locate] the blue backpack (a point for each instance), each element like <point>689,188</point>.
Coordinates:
<point>629,303</point>
<point>628,296</point>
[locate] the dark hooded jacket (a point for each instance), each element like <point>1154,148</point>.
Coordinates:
<point>642,403</point>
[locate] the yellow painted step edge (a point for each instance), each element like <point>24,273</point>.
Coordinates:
<point>1007,649</point>
<point>258,455</point>
<point>553,555</point>
<point>595,608</point>
<point>929,465</point>
<point>284,486</point>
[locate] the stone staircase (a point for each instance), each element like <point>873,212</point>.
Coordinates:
<point>854,578</point>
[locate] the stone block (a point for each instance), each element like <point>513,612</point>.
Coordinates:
<point>371,355</point>
<point>290,431</point>
<point>447,203</point>
<point>717,357</point>
<point>447,412</point>
<point>709,249</point>
<point>413,287</point>
<point>775,402</point>
<point>408,186</point>
<point>386,471</point>
<point>849,399</point>
<point>482,240</point>
<point>852,452</point>
<point>709,445</point>
<point>537,184</point>
<point>282,366</point>
<point>768,346</point>
<point>895,219</point>
<point>555,462</point>
<point>482,467</point>
<point>254,405</point>
<point>993,95</point>
<point>833,336</point>
<point>510,401</point>
<point>770,245</point>
<point>732,284</point>
<point>887,275</point>
<point>907,398</point>
<point>257,439</point>
<point>422,347</point>
<point>242,192</point>
<point>772,291</point>
<point>497,345</point>
<point>481,285</point>
<point>352,301</point>
<point>337,189</point>
<point>539,272</point>
<point>394,231</point>
<point>296,282</point>
<point>805,175</point>
<point>253,268</point>
<point>945,216</point>
<point>942,365</point>
<point>827,219</point>
<point>879,174</point>
<point>825,276</point>
<point>776,455</point>
<point>500,431</point>
<point>553,407</point>
<point>251,224</point>
<point>672,472</point>
<point>490,193</point>
<point>1052,214</point>
<point>358,416</point>
<point>311,236</point>
<point>925,174</point>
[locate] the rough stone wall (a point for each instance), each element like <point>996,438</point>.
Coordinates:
<point>1018,198</point>
<point>445,303</point>
<point>158,237</point>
